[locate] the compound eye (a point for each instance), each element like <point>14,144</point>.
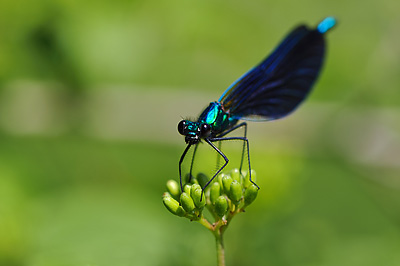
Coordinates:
<point>181,127</point>
<point>205,129</point>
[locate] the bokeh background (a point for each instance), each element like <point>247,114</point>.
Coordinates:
<point>90,96</point>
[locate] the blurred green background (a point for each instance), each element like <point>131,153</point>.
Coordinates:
<point>90,96</point>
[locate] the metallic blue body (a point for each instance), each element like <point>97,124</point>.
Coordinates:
<point>217,118</point>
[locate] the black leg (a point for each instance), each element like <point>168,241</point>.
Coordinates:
<point>220,169</point>
<point>248,152</point>
<point>218,157</point>
<point>180,162</point>
<point>244,124</point>
<point>191,164</point>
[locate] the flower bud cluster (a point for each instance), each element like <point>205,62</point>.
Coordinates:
<point>225,196</point>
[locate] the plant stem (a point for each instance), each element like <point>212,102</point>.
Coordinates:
<point>206,224</point>
<point>220,247</point>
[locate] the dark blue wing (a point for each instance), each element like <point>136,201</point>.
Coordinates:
<point>280,83</point>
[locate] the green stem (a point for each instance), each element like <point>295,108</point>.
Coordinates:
<point>228,219</point>
<point>220,248</point>
<point>206,224</point>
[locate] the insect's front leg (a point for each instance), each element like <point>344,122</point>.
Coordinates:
<point>180,164</point>
<point>191,164</point>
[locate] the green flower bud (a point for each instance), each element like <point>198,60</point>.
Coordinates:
<point>247,182</point>
<point>187,189</point>
<point>226,182</point>
<point>166,194</point>
<point>202,179</point>
<point>215,192</point>
<point>221,206</point>
<point>250,194</point>
<point>187,202</point>
<point>173,188</point>
<point>235,192</point>
<point>173,206</point>
<point>193,188</point>
<point>198,197</point>
<point>235,174</point>
<point>219,179</point>
<point>253,175</point>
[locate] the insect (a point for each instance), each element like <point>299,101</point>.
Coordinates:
<point>269,91</point>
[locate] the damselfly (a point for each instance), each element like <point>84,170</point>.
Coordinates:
<point>269,91</point>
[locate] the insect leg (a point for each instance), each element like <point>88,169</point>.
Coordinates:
<point>180,162</point>
<point>220,169</point>
<point>218,157</point>
<point>244,124</point>
<point>191,164</point>
<point>248,151</point>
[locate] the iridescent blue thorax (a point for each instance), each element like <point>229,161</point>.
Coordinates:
<point>212,121</point>
<point>217,118</point>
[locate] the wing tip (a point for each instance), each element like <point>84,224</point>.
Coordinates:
<point>326,24</point>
